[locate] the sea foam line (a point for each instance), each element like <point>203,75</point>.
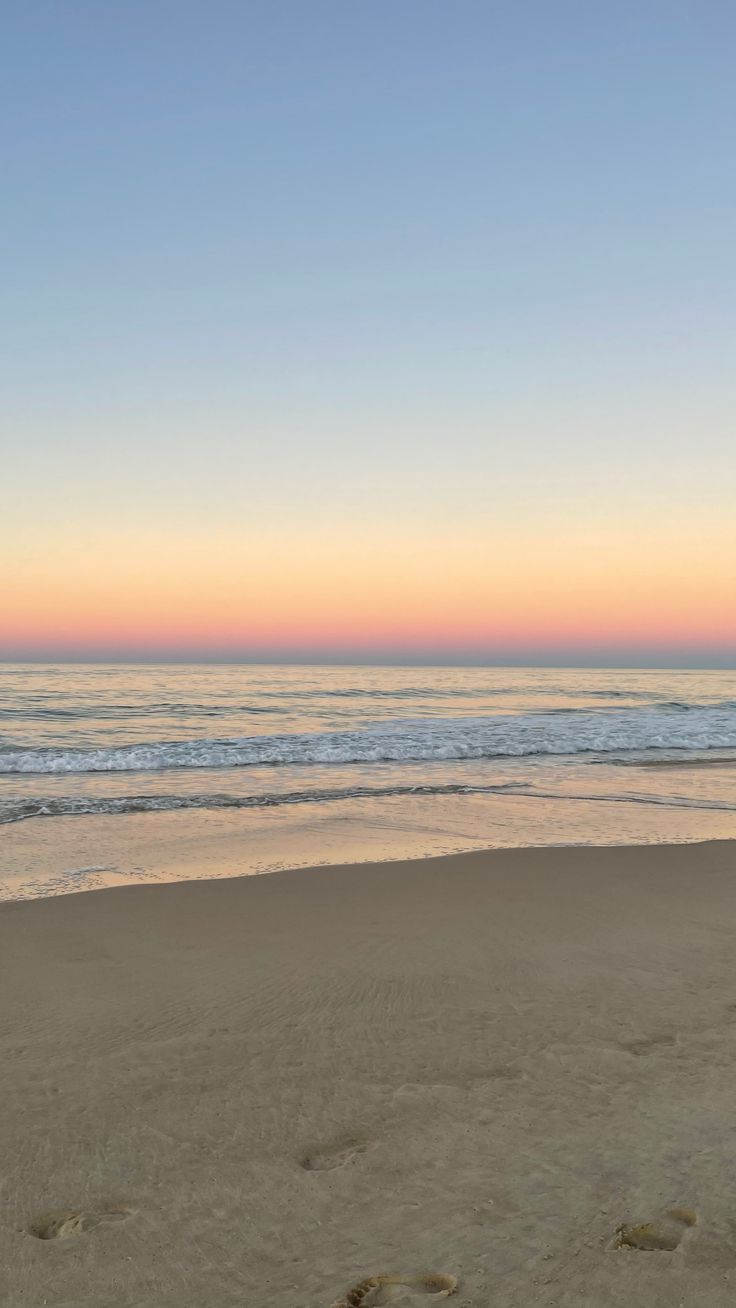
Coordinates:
<point>84,805</point>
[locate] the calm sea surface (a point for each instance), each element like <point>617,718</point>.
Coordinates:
<point>317,764</point>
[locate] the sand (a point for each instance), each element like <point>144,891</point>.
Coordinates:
<point>514,1068</point>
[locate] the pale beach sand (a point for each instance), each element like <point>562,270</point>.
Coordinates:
<point>261,1091</point>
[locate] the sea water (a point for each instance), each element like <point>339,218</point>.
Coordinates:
<point>298,765</point>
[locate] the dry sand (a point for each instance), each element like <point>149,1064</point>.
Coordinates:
<point>259,1092</point>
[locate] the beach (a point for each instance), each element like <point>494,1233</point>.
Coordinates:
<point>368,657</point>
<point>506,1067</point>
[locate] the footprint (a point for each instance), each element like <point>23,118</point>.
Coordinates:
<point>324,1160</point>
<point>646,1044</point>
<point>438,1284</point>
<point>65,1222</point>
<point>663,1234</point>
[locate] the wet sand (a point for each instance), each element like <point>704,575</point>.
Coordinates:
<point>514,1068</point>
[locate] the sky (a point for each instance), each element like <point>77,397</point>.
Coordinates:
<point>399,331</point>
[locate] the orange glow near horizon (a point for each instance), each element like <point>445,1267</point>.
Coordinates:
<point>474,593</point>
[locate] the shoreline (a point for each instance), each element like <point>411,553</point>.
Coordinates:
<point>265,1089</point>
<point>50,856</point>
<point>356,865</point>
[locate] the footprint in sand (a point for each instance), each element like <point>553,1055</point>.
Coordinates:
<point>325,1160</point>
<point>648,1044</point>
<point>62,1223</point>
<point>370,1291</point>
<point>664,1234</point>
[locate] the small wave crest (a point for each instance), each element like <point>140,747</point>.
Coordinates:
<point>86,805</point>
<point>89,805</point>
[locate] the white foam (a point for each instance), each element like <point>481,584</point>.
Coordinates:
<point>563,733</point>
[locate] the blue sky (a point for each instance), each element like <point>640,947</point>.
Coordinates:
<point>398,262</point>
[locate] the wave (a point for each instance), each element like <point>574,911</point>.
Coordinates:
<point>96,714</point>
<point>127,712</point>
<point>90,805</point>
<point>598,734</point>
<point>77,805</point>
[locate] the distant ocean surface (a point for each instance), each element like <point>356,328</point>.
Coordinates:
<point>98,740</point>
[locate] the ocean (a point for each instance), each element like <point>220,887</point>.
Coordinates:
<point>277,766</point>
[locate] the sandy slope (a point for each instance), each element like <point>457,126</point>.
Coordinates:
<point>260,1091</point>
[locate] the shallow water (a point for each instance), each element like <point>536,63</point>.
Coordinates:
<point>293,765</point>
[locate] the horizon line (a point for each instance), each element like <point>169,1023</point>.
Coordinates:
<point>635,663</point>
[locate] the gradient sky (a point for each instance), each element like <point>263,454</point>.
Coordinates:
<point>399,329</point>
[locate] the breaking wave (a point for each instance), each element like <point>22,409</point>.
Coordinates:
<point>565,732</point>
